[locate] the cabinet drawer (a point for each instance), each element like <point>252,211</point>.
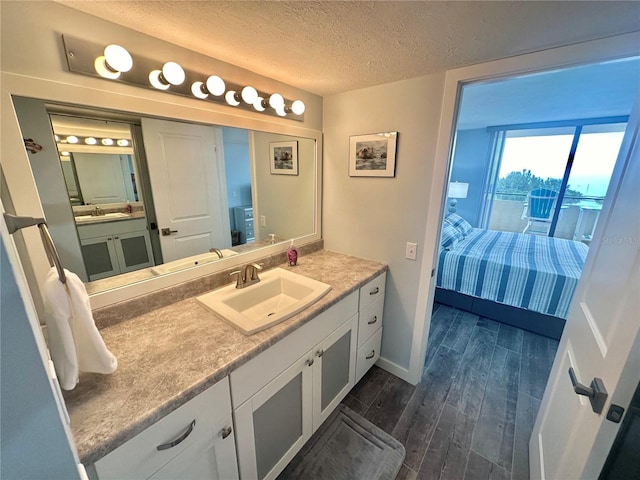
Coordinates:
<point>370,320</point>
<point>248,213</point>
<point>368,354</point>
<point>372,290</point>
<point>111,228</point>
<point>140,458</point>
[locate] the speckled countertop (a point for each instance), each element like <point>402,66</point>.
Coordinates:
<point>171,354</point>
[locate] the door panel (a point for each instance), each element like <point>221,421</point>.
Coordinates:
<point>189,193</point>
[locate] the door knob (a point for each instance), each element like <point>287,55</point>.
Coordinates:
<point>167,231</point>
<point>596,393</point>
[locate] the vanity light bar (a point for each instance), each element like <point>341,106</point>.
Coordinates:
<point>115,63</point>
<point>91,140</point>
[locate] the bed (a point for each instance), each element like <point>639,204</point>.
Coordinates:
<point>523,280</point>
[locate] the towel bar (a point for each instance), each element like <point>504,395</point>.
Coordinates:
<point>15,223</point>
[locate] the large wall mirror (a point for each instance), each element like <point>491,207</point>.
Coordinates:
<point>131,198</point>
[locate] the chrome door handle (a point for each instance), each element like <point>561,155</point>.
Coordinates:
<point>180,439</point>
<point>167,231</point>
<point>596,393</point>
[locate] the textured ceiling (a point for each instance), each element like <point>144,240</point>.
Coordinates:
<point>328,47</point>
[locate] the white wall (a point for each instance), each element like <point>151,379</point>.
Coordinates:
<point>375,217</point>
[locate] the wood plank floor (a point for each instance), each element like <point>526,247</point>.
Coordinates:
<point>471,415</point>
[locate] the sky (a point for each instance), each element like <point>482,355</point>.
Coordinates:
<point>546,157</point>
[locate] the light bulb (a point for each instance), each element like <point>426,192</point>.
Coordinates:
<point>72,139</point>
<point>230,97</point>
<point>298,107</point>
<point>281,111</point>
<point>215,85</point>
<point>57,138</point>
<point>276,100</point>
<point>65,154</point>
<point>107,141</point>
<point>259,104</point>
<point>117,58</point>
<point>249,94</point>
<point>154,80</point>
<point>90,141</point>
<point>173,73</point>
<point>198,90</point>
<point>123,142</point>
<point>101,68</point>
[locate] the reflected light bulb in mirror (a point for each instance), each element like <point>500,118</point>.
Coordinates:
<point>123,142</point>
<point>276,101</point>
<point>90,141</point>
<point>298,107</point>
<point>249,94</point>
<point>260,105</point>
<point>215,85</point>
<point>65,154</point>
<point>281,111</point>
<point>154,80</point>
<point>198,90</point>
<point>107,141</point>
<point>230,97</point>
<point>72,139</point>
<point>173,73</point>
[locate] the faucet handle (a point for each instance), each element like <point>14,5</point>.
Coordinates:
<point>239,279</point>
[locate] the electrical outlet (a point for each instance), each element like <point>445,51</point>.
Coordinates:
<point>412,251</point>
<point>263,221</point>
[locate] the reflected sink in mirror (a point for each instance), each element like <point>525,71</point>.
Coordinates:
<point>279,295</point>
<point>110,216</point>
<point>192,261</point>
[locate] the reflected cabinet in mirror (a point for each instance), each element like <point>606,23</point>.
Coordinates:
<point>130,198</point>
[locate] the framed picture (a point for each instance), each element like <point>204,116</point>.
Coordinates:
<point>373,155</point>
<point>284,158</point>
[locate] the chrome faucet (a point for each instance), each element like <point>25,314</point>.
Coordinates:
<point>247,275</point>
<point>97,211</point>
<point>216,251</point>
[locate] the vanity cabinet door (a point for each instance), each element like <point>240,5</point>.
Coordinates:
<point>334,370</point>
<point>274,423</point>
<point>133,251</point>
<point>100,257</point>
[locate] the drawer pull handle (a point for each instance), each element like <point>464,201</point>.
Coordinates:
<point>373,320</point>
<point>319,353</point>
<point>309,362</point>
<point>371,355</point>
<point>374,291</point>
<point>180,439</point>
<point>226,431</point>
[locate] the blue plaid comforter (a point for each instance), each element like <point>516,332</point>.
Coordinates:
<point>527,271</point>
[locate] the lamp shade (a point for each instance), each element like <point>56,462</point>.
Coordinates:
<point>458,190</point>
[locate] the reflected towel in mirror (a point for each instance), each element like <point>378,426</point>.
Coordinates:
<point>74,340</point>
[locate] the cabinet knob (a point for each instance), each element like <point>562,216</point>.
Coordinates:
<point>226,431</point>
<point>116,238</point>
<point>319,353</point>
<point>309,362</point>
<point>108,238</point>
<point>373,320</point>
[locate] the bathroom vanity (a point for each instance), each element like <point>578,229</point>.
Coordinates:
<point>194,397</point>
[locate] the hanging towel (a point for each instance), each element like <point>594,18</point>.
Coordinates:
<point>74,341</point>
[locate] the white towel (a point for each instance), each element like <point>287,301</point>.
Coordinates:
<point>74,341</point>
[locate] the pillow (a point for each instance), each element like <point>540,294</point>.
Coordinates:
<point>450,236</point>
<point>459,223</point>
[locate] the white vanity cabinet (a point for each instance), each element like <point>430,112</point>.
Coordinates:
<point>111,248</point>
<point>370,306</point>
<point>194,441</point>
<point>283,395</point>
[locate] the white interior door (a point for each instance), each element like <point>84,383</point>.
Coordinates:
<point>602,325</point>
<point>189,192</point>
<point>101,177</point>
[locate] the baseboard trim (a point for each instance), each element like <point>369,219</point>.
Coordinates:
<point>394,369</point>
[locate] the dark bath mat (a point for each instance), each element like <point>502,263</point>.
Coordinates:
<point>347,447</point>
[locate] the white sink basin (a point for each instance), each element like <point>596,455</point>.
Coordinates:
<point>189,262</point>
<point>280,294</point>
<point>88,218</point>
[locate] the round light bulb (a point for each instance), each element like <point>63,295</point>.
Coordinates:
<point>123,142</point>
<point>281,111</point>
<point>215,85</point>
<point>65,154</point>
<point>72,139</point>
<point>197,90</point>
<point>57,138</point>
<point>173,73</point>
<point>101,68</point>
<point>298,107</point>
<point>107,141</point>
<point>249,94</point>
<point>154,80</point>
<point>230,97</point>
<point>259,104</point>
<point>276,100</point>
<point>117,58</point>
<point>90,141</point>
